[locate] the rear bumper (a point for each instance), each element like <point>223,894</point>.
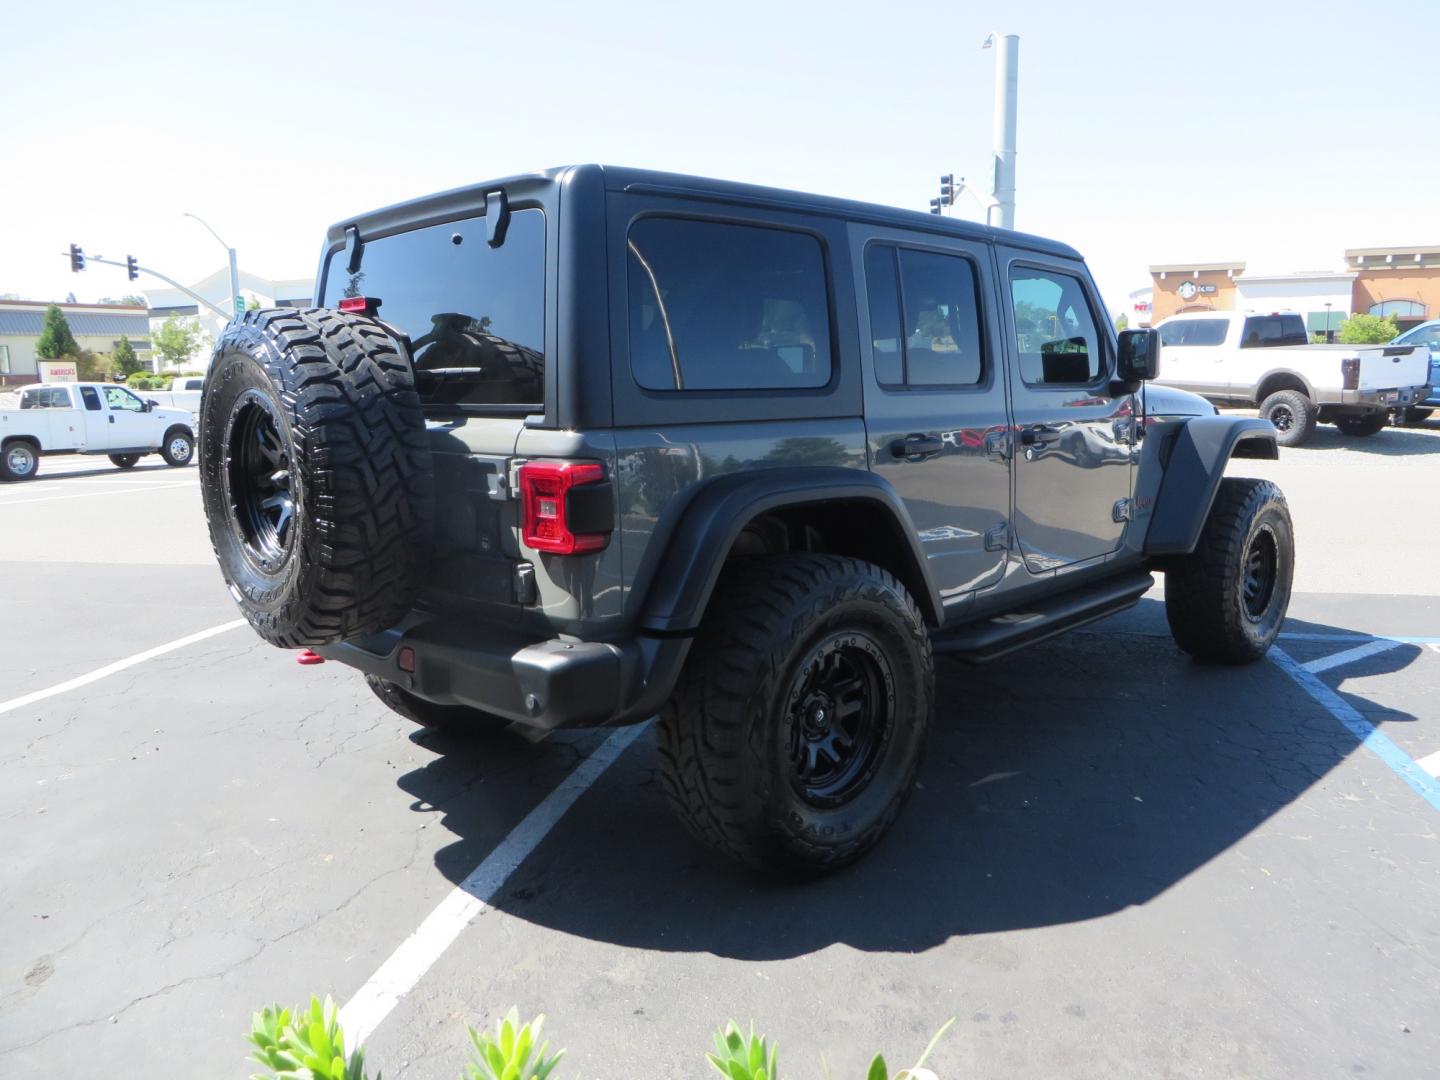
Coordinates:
<point>1399,397</point>
<point>543,684</point>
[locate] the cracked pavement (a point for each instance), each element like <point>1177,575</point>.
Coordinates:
<point>1117,863</point>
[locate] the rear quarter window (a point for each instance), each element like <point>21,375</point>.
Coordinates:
<point>718,306</point>
<point>1194,332</point>
<point>1269,331</point>
<point>475,314</point>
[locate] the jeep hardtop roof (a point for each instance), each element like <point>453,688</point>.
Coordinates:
<point>433,208</point>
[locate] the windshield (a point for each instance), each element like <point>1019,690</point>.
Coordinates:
<point>475,314</point>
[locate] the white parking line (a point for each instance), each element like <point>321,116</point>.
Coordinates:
<point>118,665</point>
<point>1349,656</point>
<point>417,954</point>
<point>132,490</point>
<point>1430,763</point>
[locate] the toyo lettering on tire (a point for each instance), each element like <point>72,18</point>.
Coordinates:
<point>315,474</point>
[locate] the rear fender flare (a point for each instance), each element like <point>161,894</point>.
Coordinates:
<point>1194,466</point>
<point>695,552</point>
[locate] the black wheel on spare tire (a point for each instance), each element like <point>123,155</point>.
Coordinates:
<point>315,474</point>
<point>1292,414</point>
<point>1362,425</point>
<point>124,461</point>
<point>19,460</point>
<point>1415,415</point>
<point>451,719</point>
<point>794,735</point>
<point>1226,600</point>
<point>178,448</point>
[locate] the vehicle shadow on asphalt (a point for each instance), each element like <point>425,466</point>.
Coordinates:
<point>1409,441</point>
<point>1076,779</point>
<point>138,469</point>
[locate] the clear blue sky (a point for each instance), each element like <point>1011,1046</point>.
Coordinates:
<point>1275,133</point>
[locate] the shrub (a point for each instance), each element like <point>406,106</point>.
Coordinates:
<point>1368,329</point>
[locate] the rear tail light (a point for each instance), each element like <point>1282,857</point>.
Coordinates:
<point>566,507</point>
<point>360,305</point>
<point>1350,373</point>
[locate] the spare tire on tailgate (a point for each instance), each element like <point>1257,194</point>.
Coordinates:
<point>315,474</point>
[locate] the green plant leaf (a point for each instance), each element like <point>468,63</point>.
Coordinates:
<point>878,1069</point>
<point>933,1040</point>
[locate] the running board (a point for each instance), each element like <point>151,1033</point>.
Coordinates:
<point>989,639</point>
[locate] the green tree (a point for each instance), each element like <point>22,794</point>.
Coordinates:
<point>176,340</point>
<point>129,300</point>
<point>125,361</point>
<point>1368,329</point>
<point>55,339</point>
<point>1122,321</point>
<point>253,304</point>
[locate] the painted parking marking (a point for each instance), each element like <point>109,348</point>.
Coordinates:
<point>1369,736</point>
<point>119,665</point>
<point>1400,638</point>
<point>417,954</point>
<point>1349,656</point>
<point>1430,763</point>
<point>132,490</point>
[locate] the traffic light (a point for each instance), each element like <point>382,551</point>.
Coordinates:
<point>77,259</point>
<point>935,205</point>
<point>132,268</point>
<point>947,189</point>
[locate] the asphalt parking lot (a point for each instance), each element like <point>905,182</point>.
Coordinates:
<point>1119,863</point>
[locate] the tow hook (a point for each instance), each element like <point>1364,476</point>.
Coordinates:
<point>309,656</point>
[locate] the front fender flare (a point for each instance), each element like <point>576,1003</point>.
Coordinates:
<point>696,550</point>
<point>1194,466</point>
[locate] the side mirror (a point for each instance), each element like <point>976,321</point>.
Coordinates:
<point>151,403</point>
<point>1139,358</point>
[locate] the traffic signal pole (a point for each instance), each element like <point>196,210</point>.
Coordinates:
<point>1007,92</point>
<point>168,281</point>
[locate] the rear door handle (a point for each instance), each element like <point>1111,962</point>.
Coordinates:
<point>112,418</point>
<point>1039,434</point>
<point>917,446</point>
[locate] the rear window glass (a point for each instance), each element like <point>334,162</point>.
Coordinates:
<point>1194,332</point>
<point>715,306</point>
<point>1268,331</point>
<point>475,314</point>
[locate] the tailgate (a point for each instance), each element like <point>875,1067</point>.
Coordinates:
<point>1389,367</point>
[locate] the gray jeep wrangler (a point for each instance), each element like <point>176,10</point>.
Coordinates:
<point>585,446</point>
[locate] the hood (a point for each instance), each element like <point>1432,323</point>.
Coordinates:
<point>1168,401</point>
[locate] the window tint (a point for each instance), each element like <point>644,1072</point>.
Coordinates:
<point>1268,331</point>
<point>119,398</point>
<point>937,342</point>
<point>475,314</point>
<point>882,288</point>
<point>91,398</point>
<point>1055,333</point>
<point>1194,332</point>
<point>726,307</point>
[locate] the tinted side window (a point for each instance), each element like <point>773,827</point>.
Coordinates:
<point>882,288</point>
<point>1055,335</point>
<point>1194,332</point>
<point>1268,331</point>
<point>715,306</point>
<point>92,399</point>
<point>475,314</point>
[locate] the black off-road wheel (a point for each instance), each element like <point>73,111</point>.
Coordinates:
<point>1361,426</point>
<point>19,460</point>
<point>1292,414</point>
<point>124,461</point>
<point>1226,600</point>
<point>315,474</point>
<point>794,736</point>
<point>178,449</point>
<point>451,719</point>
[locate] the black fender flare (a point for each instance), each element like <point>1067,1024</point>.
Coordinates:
<point>696,549</point>
<point>1194,466</point>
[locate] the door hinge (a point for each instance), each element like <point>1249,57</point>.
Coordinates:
<point>998,538</point>
<point>1123,510</point>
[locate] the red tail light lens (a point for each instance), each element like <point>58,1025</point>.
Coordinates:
<point>1350,373</point>
<point>553,519</point>
<point>360,305</point>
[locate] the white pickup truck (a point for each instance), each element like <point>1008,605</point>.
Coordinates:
<point>89,418</point>
<point>1242,358</point>
<point>184,393</point>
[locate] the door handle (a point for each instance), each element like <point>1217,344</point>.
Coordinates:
<point>917,446</point>
<point>1039,435</point>
<point>112,418</point>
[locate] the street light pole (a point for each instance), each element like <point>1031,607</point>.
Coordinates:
<point>1007,83</point>
<point>235,300</point>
